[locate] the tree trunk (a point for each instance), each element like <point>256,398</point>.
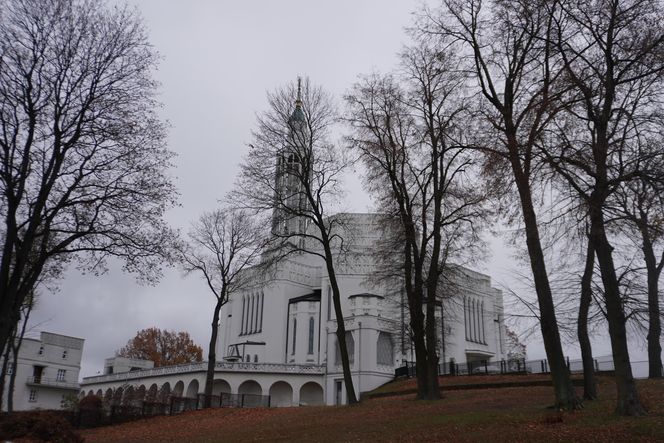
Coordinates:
<point>10,315</point>
<point>654,312</point>
<point>341,328</point>
<point>419,342</point>
<point>3,373</point>
<point>12,383</point>
<point>432,386</point>
<point>565,395</point>
<point>589,381</point>
<point>628,400</point>
<point>212,355</point>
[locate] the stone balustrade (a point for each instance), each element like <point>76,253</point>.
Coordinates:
<point>202,366</point>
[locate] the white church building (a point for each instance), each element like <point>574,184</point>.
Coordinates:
<point>277,336</point>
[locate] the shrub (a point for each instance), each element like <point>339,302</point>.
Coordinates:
<point>90,412</point>
<point>90,402</point>
<point>38,425</point>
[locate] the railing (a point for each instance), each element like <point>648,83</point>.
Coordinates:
<point>225,400</point>
<point>513,366</point>
<point>202,367</point>
<point>51,382</point>
<point>270,367</point>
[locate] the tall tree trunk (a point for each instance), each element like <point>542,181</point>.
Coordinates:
<point>16,343</point>
<point>654,320</point>
<point>415,293</point>
<point>589,381</point>
<point>212,355</point>
<point>628,402</point>
<point>341,328</point>
<point>12,383</point>
<point>3,374</point>
<point>419,342</point>
<point>432,386</point>
<point>565,395</point>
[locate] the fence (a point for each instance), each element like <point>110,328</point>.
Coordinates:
<point>225,400</point>
<point>513,366</point>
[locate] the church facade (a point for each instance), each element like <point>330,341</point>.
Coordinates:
<point>277,336</point>
<point>289,318</point>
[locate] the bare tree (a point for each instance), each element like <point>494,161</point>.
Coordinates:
<point>408,138</point>
<point>293,172</point>
<point>611,53</point>
<point>506,50</point>
<point>223,245</point>
<point>640,204</point>
<point>83,163</point>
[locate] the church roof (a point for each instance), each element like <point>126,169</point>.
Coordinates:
<point>366,294</point>
<point>314,296</point>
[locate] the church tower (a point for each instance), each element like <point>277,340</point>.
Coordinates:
<point>293,171</point>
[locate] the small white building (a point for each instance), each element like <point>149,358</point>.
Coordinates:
<point>46,371</point>
<point>116,364</point>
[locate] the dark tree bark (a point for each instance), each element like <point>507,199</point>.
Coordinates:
<point>589,381</point>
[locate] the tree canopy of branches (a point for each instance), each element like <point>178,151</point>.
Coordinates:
<point>163,347</point>
<point>611,55</point>
<point>504,47</point>
<point>293,172</point>
<point>83,163</point>
<point>222,246</point>
<point>640,204</point>
<point>407,131</point>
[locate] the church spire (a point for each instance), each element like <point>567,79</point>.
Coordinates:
<point>298,113</point>
<point>299,91</point>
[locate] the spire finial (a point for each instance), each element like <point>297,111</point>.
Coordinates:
<point>299,90</point>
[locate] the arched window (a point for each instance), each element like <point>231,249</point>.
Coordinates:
<point>256,358</point>
<point>311,336</point>
<point>385,349</point>
<point>350,347</point>
<point>294,335</point>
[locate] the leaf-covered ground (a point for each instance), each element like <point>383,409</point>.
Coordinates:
<point>505,414</point>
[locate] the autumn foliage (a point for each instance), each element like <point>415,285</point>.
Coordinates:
<point>163,347</point>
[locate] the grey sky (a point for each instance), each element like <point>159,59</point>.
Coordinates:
<point>219,59</point>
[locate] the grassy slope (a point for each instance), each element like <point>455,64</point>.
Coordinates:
<point>506,414</point>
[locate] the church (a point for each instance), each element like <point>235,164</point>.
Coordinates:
<point>277,335</point>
